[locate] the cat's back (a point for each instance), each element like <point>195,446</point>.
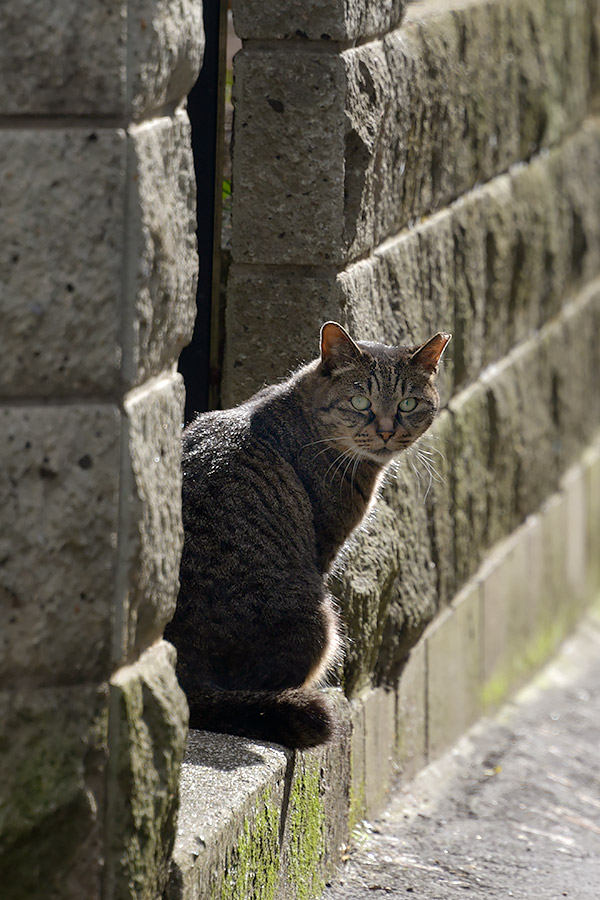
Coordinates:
<point>239,491</point>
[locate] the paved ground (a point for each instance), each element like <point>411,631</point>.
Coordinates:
<point>512,811</point>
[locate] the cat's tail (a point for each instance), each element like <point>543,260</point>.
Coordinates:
<point>298,718</point>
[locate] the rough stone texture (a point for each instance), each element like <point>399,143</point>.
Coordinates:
<point>97,284</point>
<point>47,68</point>
<point>154,417</point>
<point>148,729</point>
<point>52,761</point>
<point>226,782</point>
<point>320,20</point>
<point>263,311</point>
<point>50,69</point>
<point>385,587</point>
<point>453,670</point>
<point>491,269</point>
<point>60,267</point>
<point>470,477</point>
<point>348,166</point>
<point>166,46</point>
<point>316,819</point>
<point>162,246</point>
<point>257,820</point>
<point>288,105</point>
<point>59,486</point>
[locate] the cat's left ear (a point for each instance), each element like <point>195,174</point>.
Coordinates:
<point>429,354</point>
<point>337,347</point>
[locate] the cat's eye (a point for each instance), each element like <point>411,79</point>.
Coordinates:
<point>360,402</point>
<point>408,404</point>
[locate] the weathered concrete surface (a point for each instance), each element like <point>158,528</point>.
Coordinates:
<point>322,20</point>
<point>59,265</point>
<point>152,480</point>
<point>363,142</point>
<point>53,755</point>
<point>512,810</point>
<point>59,483</point>
<point>257,820</point>
<point>147,734</point>
<point>49,69</point>
<point>492,268</point>
<point>161,263</point>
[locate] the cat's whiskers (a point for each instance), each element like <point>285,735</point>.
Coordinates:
<point>337,462</point>
<point>355,455</point>
<point>426,462</point>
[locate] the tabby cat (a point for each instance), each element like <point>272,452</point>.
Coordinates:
<point>271,491</point>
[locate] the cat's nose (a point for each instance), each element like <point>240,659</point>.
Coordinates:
<point>385,429</point>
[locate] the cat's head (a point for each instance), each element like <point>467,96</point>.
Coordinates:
<point>376,400</point>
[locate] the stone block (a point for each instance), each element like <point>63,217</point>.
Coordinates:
<point>576,172</point>
<point>59,492</point>
<point>318,21</point>
<point>521,459</point>
<point>553,529</point>
<point>469,290</point>
<point>434,458</point>
<point>50,69</point>
<point>229,820</point>
<point>386,585</point>
<point>485,85</point>
<point>315,830</point>
<point>148,729</point>
<point>162,258</point>
<point>572,353</point>
<point>471,477</point>
<point>363,582</point>
<point>453,671</point>
<point>294,305</point>
<point>166,44</point>
<point>288,160</point>
<point>64,59</point>
<point>52,761</point>
<point>358,762</point>
<point>514,630</point>
<point>151,554</point>
<point>380,746</point>
<point>574,489</point>
<point>411,714</point>
<point>591,474</point>
<point>409,586</point>
<point>61,260</point>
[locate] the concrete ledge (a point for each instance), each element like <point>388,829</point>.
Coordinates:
<point>257,820</point>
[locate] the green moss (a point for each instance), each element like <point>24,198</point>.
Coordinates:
<point>306,833</point>
<point>525,662</point>
<point>252,869</point>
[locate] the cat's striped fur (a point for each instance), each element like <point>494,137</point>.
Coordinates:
<point>271,491</point>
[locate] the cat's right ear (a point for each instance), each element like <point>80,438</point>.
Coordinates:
<point>337,347</point>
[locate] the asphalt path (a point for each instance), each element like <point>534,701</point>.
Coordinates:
<point>513,810</point>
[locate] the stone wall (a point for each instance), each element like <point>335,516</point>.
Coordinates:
<point>439,171</point>
<point>97,273</point>
<point>403,169</point>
